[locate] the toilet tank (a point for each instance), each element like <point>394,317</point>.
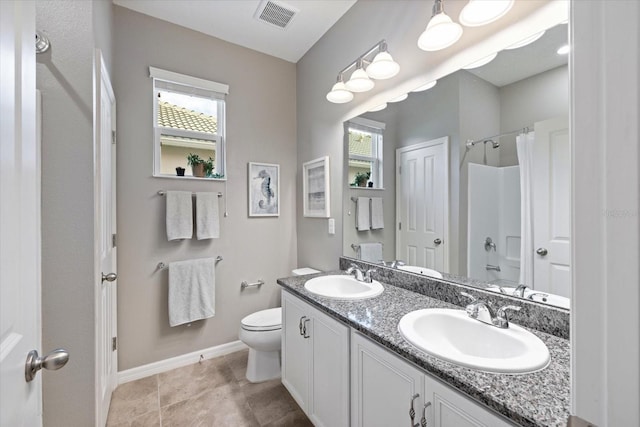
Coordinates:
<point>303,271</point>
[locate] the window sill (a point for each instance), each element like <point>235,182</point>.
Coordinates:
<point>366,188</point>
<point>188,178</point>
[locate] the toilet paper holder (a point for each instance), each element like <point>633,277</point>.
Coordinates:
<point>245,285</point>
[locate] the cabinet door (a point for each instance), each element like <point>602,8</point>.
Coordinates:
<point>450,408</point>
<point>382,386</point>
<point>329,400</point>
<point>296,362</point>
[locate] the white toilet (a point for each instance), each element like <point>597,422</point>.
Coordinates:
<point>262,332</point>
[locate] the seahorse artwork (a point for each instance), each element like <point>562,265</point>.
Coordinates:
<point>266,189</point>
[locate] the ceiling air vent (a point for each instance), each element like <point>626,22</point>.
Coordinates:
<point>275,13</point>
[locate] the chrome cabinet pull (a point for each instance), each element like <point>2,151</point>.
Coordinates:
<point>423,421</point>
<point>304,327</point>
<point>412,412</point>
<point>300,324</point>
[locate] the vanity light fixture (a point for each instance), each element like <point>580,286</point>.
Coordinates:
<point>563,50</point>
<point>441,31</point>
<point>526,41</point>
<point>481,62</point>
<point>481,12</point>
<point>378,108</point>
<point>383,66</point>
<point>425,86</point>
<point>400,98</point>
<point>376,63</point>
<point>339,93</point>
<point>359,81</point>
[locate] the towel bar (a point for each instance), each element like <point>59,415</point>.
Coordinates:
<point>162,265</point>
<point>163,192</point>
<point>355,247</point>
<point>244,285</point>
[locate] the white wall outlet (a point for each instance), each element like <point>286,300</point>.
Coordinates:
<point>332,226</point>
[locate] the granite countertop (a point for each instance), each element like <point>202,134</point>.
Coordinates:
<point>536,399</point>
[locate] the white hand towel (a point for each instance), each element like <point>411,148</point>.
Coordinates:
<point>191,290</point>
<point>207,216</point>
<point>377,213</point>
<point>371,252</point>
<point>179,215</point>
<point>363,214</point>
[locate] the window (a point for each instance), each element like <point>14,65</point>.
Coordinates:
<point>365,153</point>
<point>189,126</point>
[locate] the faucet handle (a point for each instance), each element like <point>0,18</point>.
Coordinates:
<point>471,297</point>
<point>502,318</point>
<point>368,273</point>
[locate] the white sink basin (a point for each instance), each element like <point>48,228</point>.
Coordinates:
<point>421,270</point>
<point>343,287</point>
<point>551,299</point>
<point>453,336</point>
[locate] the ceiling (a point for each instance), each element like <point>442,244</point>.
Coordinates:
<point>233,21</point>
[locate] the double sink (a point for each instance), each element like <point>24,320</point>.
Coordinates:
<point>449,334</point>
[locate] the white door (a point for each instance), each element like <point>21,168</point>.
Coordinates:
<point>20,323</point>
<point>105,245</point>
<point>552,207</point>
<point>422,189</point>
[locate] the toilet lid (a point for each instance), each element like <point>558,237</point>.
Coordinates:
<point>265,320</point>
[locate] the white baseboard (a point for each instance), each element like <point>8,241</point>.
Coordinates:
<point>178,361</point>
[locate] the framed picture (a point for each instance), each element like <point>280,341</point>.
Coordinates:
<point>315,188</point>
<point>264,189</point>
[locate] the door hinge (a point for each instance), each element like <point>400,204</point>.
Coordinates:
<point>113,240</point>
<point>114,344</point>
<point>399,226</point>
<point>399,170</point>
<point>113,136</point>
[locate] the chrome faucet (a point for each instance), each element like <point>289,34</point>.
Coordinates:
<point>361,276</point>
<point>482,311</point>
<point>397,263</point>
<point>542,296</point>
<point>519,291</point>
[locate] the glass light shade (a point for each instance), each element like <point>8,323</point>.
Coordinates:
<point>425,87</point>
<point>563,50</point>
<point>482,12</point>
<point>441,32</point>
<point>339,94</point>
<point>379,107</point>
<point>383,67</point>
<point>526,41</point>
<point>400,98</point>
<point>359,81</point>
<point>481,62</point>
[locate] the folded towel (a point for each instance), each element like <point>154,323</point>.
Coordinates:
<point>371,252</point>
<point>191,290</point>
<point>363,214</point>
<point>377,214</point>
<point>179,215</point>
<point>207,216</point>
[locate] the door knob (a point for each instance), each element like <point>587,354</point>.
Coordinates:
<point>109,277</point>
<point>52,361</point>
<point>542,251</point>
<point>437,241</point>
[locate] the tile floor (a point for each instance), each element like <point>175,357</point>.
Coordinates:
<point>212,393</point>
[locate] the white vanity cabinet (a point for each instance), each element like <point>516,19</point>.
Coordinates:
<point>315,362</point>
<point>383,386</point>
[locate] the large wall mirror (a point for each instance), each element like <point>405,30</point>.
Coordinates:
<point>476,176</point>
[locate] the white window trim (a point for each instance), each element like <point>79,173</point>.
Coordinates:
<point>376,129</point>
<point>220,146</point>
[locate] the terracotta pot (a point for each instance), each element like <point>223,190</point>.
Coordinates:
<point>198,170</point>
<point>362,183</point>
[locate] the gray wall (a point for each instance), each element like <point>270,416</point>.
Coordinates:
<point>320,129</point>
<point>541,97</point>
<point>261,114</point>
<point>64,76</point>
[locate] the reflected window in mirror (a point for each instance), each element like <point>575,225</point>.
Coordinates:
<point>365,153</point>
<point>189,126</point>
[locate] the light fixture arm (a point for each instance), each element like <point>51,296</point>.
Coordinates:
<point>367,57</point>
<point>438,7</point>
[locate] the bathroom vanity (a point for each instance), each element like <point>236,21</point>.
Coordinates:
<point>346,364</point>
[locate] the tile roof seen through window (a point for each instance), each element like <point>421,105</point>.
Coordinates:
<point>359,143</point>
<point>174,116</point>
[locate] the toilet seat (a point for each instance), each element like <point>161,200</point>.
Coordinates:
<point>264,320</point>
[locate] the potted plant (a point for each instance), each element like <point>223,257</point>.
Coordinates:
<point>208,167</point>
<point>197,165</point>
<point>361,179</point>
<point>180,171</point>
